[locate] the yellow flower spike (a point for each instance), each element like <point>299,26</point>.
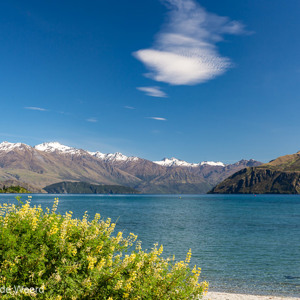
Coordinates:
<point>198,271</point>
<point>55,204</point>
<point>133,236</point>
<point>160,250</point>
<point>188,256</point>
<point>128,286</point>
<point>97,217</point>
<point>74,251</point>
<point>98,249</point>
<point>194,271</point>
<point>100,264</point>
<point>118,284</point>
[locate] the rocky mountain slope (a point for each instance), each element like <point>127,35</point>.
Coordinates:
<point>279,176</point>
<point>50,163</point>
<point>43,166</point>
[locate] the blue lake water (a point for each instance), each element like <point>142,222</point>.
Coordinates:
<point>243,243</point>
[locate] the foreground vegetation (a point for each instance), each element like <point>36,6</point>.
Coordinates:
<point>50,256</point>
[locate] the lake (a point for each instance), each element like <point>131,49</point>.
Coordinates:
<point>243,243</point>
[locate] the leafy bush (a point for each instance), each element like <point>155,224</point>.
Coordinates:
<point>50,256</point>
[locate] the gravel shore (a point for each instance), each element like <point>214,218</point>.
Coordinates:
<point>228,296</point>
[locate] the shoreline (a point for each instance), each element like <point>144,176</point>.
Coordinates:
<point>232,296</point>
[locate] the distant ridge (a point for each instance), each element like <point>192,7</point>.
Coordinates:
<point>279,176</point>
<point>51,163</point>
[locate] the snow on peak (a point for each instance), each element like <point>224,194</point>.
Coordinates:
<point>97,154</point>
<point>113,156</point>
<point>56,146</point>
<point>116,156</point>
<point>212,163</point>
<point>174,162</point>
<point>7,147</point>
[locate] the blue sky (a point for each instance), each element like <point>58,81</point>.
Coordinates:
<point>197,80</point>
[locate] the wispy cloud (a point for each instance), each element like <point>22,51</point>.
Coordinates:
<point>153,91</point>
<point>185,52</point>
<point>92,120</point>
<point>129,107</point>
<point>36,108</point>
<point>157,118</point>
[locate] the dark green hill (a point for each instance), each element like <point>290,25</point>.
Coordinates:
<point>279,176</point>
<point>16,186</point>
<point>68,187</point>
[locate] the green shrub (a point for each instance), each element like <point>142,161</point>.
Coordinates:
<point>49,256</point>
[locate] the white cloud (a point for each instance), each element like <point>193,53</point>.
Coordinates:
<point>157,118</point>
<point>153,91</point>
<point>92,120</point>
<point>129,107</point>
<point>36,108</point>
<point>185,52</point>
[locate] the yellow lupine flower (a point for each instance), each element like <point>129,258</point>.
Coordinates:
<point>53,230</point>
<point>118,284</point>
<point>101,264</point>
<point>74,251</point>
<point>160,250</point>
<point>34,223</point>
<point>92,261</point>
<point>128,286</point>
<point>188,256</point>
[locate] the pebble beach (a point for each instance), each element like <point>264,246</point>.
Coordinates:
<point>229,296</point>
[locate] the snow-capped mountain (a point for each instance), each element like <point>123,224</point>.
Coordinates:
<point>57,147</point>
<point>7,147</point>
<point>113,157</point>
<point>174,162</point>
<point>212,163</point>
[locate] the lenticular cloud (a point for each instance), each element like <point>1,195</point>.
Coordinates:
<point>185,51</point>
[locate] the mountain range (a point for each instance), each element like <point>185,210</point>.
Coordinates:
<point>50,163</point>
<point>279,176</point>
